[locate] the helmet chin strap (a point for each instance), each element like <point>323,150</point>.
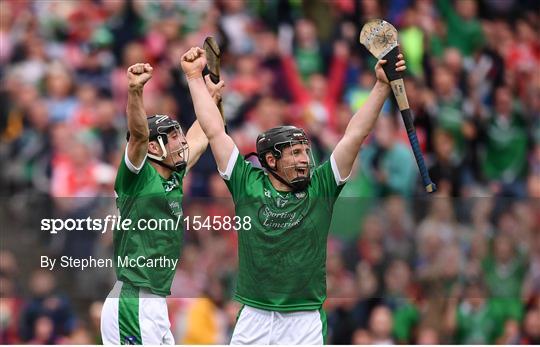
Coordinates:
<point>178,167</point>
<point>300,184</point>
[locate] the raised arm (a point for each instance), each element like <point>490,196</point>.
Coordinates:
<point>363,120</point>
<point>293,79</point>
<point>338,70</point>
<point>137,75</point>
<point>208,116</point>
<point>195,137</point>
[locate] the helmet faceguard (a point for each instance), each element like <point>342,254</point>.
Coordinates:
<point>277,141</point>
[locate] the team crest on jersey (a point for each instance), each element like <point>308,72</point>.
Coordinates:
<point>300,195</point>
<point>170,185</point>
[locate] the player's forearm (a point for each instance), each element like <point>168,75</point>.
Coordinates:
<point>205,108</point>
<point>364,119</point>
<point>196,132</point>
<point>359,128</point>
<point>198,142</point>
<point>136,116</point>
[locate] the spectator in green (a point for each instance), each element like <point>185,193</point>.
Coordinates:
<point>505,141</point>
<point>474,319</point>
<point>504,273</point>
<point>448,106</point>
<point>412,41</point>
<point>357,94</point>
<point>405,314</point>
<point>463,29</point>
<point>308,51</point>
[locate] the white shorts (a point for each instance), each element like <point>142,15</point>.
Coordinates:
<point>261,327</point>
<point>134,316</point>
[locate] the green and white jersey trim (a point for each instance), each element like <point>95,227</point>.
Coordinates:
<point>130,165</point>
<point>339,181</point>
<point>230,165</point>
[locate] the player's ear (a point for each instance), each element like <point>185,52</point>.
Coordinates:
<point>153,148</point>
<point>271,160</point>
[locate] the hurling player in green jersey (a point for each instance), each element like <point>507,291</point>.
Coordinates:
<point>148,187</point>
<point>284,212</point>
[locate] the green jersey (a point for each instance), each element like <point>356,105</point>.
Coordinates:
<point>144,252</point>
<point>481,326</point>
<point>282,246</point>
<point>505,148</point>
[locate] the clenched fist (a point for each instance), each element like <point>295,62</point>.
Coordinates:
<point>379,71</point>
<point>193,62</point>
<point>138,75</point>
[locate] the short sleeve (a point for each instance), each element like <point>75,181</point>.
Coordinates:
<point>327,181</point>
<point>239,174</point>
<point>130,178</point>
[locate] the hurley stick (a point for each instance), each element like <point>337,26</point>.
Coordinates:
<point>213,57</point>
<point>380,38</point>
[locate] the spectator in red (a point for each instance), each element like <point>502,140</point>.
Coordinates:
<point>247,80</point>
<point>10,301</point>
<point>76,173</point>
<point>318,101</point>
<point>84,115</point>
<point>523,55</point>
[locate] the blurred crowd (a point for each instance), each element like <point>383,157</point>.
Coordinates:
<point>463,267</point>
